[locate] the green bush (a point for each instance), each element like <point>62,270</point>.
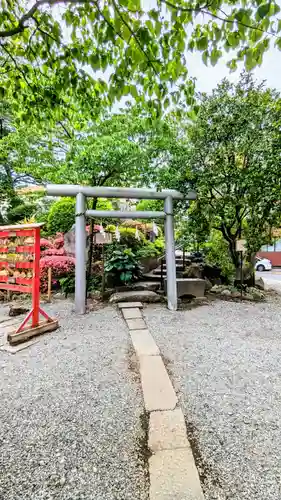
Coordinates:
<point>148,250</point>
<point>128,236</point>
<point>150,205</point>
<point>160,245</point>
<point>110,228</point>
<point>20,211</point>
<point>61,216</point>
<point>217,253</point>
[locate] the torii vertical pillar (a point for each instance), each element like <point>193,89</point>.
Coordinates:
<point>80,253</point>
<point>170,255</point>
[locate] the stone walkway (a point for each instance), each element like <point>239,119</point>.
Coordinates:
<point>173,474</point>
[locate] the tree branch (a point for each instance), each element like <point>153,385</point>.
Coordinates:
<point>15,63</point>
<point>135,37</point>
<point>215,16</point>
<point>30,13</point>
<point>65,129</point>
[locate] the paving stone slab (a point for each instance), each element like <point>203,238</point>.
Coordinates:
<point>131,313</point>
<point>9,328</point>
<point>167,430</point>
<point>158,392</point>
<point>10,322</point>
<point>13,349</point>
<point>144,343</point>
<point>124,305</point>
<point>136,324</point>
<point>173,476</point>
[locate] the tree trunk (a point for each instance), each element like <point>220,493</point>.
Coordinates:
<point>91,244</point>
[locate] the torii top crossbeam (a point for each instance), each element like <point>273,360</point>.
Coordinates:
<point>116,192</point>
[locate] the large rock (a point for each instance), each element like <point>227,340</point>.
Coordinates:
<point>208,285</point>
<point>193,271</point>
<point>135,296</point>
<point>189,287</point>
<point>18,310</point>
<point>153,286</point>
<point>259,283</point>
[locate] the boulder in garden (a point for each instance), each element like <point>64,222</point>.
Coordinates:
<point>135,296</point>
<point>193,271</point>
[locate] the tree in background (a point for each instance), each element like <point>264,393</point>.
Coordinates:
<point>142,48</point>
<point>235,164</point>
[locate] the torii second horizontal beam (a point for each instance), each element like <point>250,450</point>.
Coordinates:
<point>125,215</point>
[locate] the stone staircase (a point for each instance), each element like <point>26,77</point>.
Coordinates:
<point>194,287</point>
<point>155,274</point>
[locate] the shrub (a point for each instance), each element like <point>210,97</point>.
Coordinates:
<point>124,265</point>
<point>59,241</point>
<point>44,244</point>
<point>110,228</point>
<point>53,251</point>
<point>148,250</point>
<point>67,284</point>
<point>160,245</point>
<point>128,238</point>
<point>61,266</point>
<point>19,212</point>
<point>217,253</point>
<point>61,216</point>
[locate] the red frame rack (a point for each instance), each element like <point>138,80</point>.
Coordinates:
<point>24,285</point>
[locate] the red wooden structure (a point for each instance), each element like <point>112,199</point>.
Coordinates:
<point>20,267</point>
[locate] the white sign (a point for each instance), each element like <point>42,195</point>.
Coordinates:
<point>241,246</point>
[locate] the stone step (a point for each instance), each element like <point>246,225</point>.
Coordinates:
<point>157,272</point>
<point>179,267</point>
<point>147,285</point>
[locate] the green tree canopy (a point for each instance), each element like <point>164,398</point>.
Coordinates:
<point>235,163</point>
<point>52,50</point>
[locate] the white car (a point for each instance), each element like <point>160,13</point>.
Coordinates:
<point>263,264</point>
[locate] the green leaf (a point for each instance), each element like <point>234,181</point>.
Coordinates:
<point>133,91</point>
<point>205,57</point>
<point>215,55</point>
<point>263,10</point>
<point>202,43</point>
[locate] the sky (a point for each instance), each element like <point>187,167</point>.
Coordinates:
<point>209,77</point>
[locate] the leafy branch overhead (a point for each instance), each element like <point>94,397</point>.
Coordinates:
<point>113,48</point>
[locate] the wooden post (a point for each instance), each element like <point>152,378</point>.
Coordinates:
<point>103,275</point>
<point>36,279</point>
<point>49,284</point>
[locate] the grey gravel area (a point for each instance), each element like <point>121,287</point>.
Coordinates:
<point>70,414</point>
<point>224,360</point>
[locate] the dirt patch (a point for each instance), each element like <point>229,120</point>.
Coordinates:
<point>207,475</point>
<point>142,448</point>
<point>133,364</point>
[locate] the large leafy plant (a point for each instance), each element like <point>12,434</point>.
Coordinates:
<point>124,265</point>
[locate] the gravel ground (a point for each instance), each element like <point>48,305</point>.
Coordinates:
<point>70,426</point>
<point>224,359</point>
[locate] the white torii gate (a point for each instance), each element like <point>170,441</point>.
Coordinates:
<point>82,192</point>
